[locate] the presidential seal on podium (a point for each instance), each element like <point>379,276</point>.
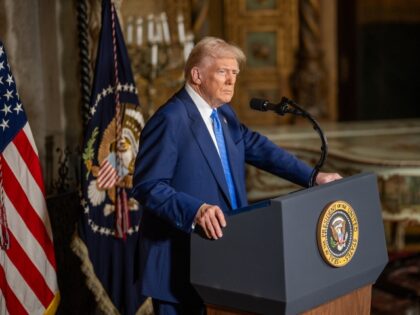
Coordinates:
<point>338,233</point>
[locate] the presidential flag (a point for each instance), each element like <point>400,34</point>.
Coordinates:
<point>28,281</point>
<point>109,224</point>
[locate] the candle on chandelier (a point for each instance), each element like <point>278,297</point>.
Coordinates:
<point>130,30</point>
<point>154,55</point>
<point>150,28</point>
<point>158,33</point>
<point>181,28</point>
<point>139,31</point>
<point>189,44</point>
<point>165,27</point>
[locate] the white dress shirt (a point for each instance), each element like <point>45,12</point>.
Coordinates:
<point>205,111</point>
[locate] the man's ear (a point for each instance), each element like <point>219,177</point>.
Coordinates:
<point>195,76</point>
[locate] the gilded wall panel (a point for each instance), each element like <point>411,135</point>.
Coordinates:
<point>267,31</point>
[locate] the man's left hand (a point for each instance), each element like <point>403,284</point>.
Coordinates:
<point>324,178</point>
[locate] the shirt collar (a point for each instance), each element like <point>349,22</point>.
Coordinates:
<point>203,107</point>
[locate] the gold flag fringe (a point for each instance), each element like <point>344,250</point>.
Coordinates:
<point>93,283</point>
<point>52,308</point>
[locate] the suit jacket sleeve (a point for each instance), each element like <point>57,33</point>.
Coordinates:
<point>264,154</point>
<point>154,170</point>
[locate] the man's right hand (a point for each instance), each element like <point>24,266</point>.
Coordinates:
<point>211,219</point>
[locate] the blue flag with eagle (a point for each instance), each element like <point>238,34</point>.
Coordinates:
<point>107,231</point>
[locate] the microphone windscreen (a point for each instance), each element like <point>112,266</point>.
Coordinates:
<point>258,104</point>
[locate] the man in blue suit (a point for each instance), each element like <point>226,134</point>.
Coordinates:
<point>190,170</point>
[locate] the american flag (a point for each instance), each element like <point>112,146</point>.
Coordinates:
<point>28,281</point>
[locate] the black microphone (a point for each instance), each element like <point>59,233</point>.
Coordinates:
<point>261,105</point>
<point>288,106</point>
<point>264,105</point>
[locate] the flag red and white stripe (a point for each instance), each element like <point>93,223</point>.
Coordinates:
<point>107,175</point>
<point>28,279</point>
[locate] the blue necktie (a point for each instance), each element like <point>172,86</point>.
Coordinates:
<point>218,132</point>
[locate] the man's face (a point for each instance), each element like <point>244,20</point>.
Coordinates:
<point>217,80</point>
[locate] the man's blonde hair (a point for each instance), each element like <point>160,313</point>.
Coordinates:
<point>212,47</point>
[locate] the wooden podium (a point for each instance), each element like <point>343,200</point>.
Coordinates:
<point>268,261</point>
<point>356,302</point>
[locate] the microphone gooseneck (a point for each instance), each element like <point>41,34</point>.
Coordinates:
<point>288,106</point>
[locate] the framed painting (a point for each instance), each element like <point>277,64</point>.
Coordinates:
<point>264,47</point>
<point>261,49</point>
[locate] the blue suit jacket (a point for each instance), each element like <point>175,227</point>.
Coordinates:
<point>177,170</point>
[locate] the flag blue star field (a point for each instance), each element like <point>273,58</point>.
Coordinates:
<point>28,280</point>
<point>109,223</point>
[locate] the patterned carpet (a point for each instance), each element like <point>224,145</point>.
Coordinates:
<point>397,291</point>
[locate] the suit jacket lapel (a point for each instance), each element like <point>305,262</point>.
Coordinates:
<point>204,141</point>
<point>234,156</point>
